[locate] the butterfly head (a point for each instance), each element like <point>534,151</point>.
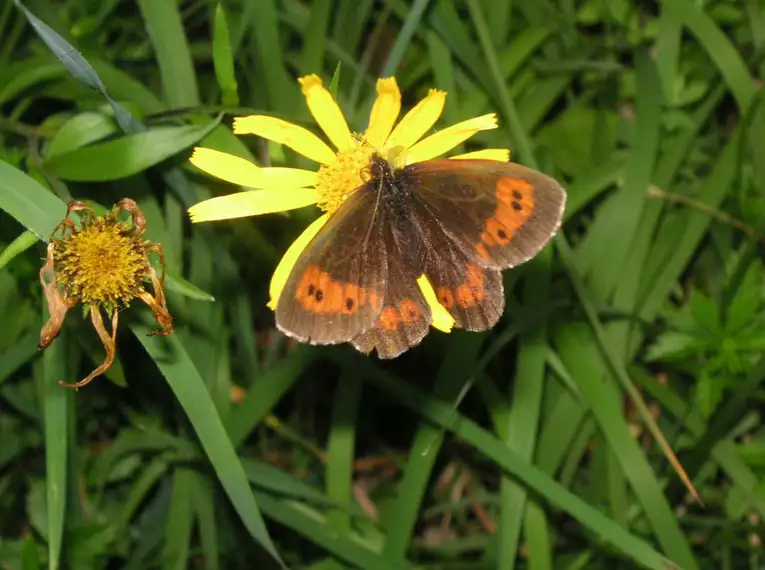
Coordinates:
<point>377,169</point>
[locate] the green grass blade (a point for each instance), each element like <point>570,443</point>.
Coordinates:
<point>617,224</point>
<point>18,354</point>
<point>496,450</point>
<point>340,449</point>
<point>55,412</point>
<point>163,23</point>
<point>204,504</point>
<point>189,388</point>
<point>404,37</point>
<point>318,531</point>
<point>80,69</point>
<point>266,392</point>
<point>507,106</point>
<point>453,374</point>
<point>223,59</point>
<point>81,130</point>
<point>668,46</point>
<point>279,88</point>
<point>35,207</point>
<point>18,246</point>
<point>180,520</point>
<point>315,39</point>
<point>677,242</point>
<point>719,47</point>
<point>578,349</point>
<point>126,156</point>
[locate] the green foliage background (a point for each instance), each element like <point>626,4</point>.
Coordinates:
<point>225,446</point>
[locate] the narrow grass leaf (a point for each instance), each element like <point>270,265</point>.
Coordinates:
<point>535,479</point>
<point>33,72</point>
<point>266,392</point>
<point>668,47</point>
<point>78,66</point>
<point>315,38</point>
<point>452,377</point>
<point>340,449</point>
<point>204,505</point>
<point>126,156</point>
<point>180,520</point>
<point>677,242</point>
<point>724,451</point>
<point>55,412</point>
<point>18,246</point>
<point>165,28</point>
<point>187,289</point>
<point>81,130</point>
<point>18,354</point>
<point>404,37</point>
<point>719,47</point>
<point>345,547</point>
<point>173,361</point>
<point>280,89</point>
<point>33,205</point>
<point>578,350</point>
<point>617,226</point>
<point>499,87</point>
<point>223,58</point>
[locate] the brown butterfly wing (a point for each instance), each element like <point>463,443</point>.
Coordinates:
<point>499,214</point>
<point>405,316</point>
<point>335,290</point>
<point>472,294</point>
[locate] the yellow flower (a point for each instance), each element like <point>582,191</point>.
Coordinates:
<point>340,171</point>
<point>104,265</point>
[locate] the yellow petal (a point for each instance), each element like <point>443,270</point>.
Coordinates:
<point>498,154</point>
<point>297,138</point>
<point>239,171</point>
<point>442,320</point>
<point>252,203</point>
<point>418,120</point>
<point>283,270</point>
<point>326,112</point>
<point>384,112</point>
<point>446,139</point>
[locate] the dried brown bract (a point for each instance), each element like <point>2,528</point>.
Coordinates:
<point>103,264</point>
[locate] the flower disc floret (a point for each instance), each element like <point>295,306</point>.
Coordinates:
<point>335,180</point>
<point>103,263</point>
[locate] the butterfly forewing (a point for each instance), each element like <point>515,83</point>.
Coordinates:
<point>499,214</point>
<point>335,290</point>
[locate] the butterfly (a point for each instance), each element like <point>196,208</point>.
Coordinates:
<point>459,222</point>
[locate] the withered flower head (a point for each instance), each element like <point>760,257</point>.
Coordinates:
<point>103,264</point>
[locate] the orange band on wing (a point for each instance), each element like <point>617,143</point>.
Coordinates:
<point>468,294</point>
<point>515,204</point>
<point>410,312</point>
<point>389,318</point>
<point>318,293</point>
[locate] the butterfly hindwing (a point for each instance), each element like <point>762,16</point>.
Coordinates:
<point>499,214</point>
<point>472,294</point>
<point>335,290</point>
<point>405,316</point>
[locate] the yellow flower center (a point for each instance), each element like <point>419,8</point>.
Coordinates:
<point>102,263</point>
<point>337,179</point>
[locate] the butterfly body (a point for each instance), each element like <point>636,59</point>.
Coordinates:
<point>457,222</point>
